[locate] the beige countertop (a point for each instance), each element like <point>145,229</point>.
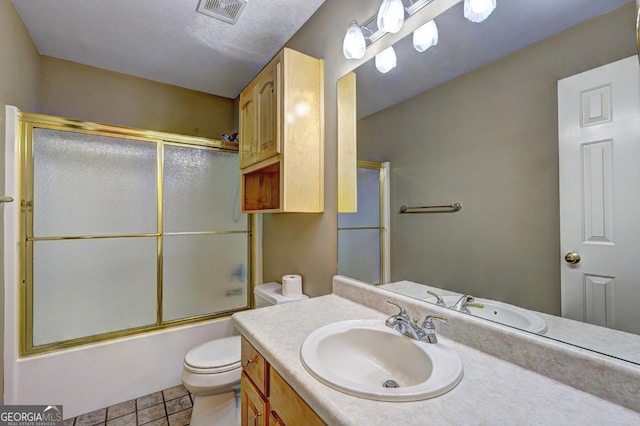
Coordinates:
<point>492,391</point>
<point>600,339</point>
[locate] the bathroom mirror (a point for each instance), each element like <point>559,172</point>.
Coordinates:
<point>474,120</point>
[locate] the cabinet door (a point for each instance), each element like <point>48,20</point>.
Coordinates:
<point>248,127</point>
<point>288,406</point>
<point>274,420</point>
<point>267,94</point>
<point>254,408</point>
<point>255,366</point>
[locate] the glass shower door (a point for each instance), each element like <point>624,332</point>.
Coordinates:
<point>91,195</point>
<point>363,251</point>
<point>124,231</point>
<point>205,243</point>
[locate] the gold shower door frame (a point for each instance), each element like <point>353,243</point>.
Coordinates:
<point>30,121</point>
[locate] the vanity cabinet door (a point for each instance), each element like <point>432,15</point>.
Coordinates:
<point>254,407</point>
<point>287,407</point>
<point>255,367</point>
<point>274,420</point>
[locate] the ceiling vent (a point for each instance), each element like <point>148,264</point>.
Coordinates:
<point>225,10</point>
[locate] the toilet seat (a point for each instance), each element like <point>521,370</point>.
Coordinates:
<point>215,356</point>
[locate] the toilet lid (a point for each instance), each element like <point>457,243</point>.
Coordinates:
<point>215,354</point>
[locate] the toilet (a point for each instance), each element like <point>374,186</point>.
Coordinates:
<point>211,370</point>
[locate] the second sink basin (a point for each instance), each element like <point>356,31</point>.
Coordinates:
<point>503,313</point>
<point>365,358</point>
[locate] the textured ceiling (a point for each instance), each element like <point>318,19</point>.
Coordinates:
<point>169,42</point>
<point>166,40</point>
<point>464,46</point>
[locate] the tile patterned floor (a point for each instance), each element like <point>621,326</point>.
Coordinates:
<point>170,407</point>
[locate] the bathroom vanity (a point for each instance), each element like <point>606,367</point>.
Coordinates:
<point>493,390</point>
<point>266,398</point>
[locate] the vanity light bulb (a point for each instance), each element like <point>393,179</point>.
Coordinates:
<point>354,44</point>
<point>425,36</point>
<point>391,16</point>
<point>386,60</point>
<point>478,10</point>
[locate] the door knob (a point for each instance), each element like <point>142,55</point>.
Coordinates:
<point>572,257</point>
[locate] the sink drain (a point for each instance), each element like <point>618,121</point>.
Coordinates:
<point>390,384</point>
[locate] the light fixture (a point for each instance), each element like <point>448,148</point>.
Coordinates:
<point>425,36</point>
<point>391,11</point>
<point>391,16</point>
<point>478,10</point>
<point>354,44</point>
<point>386,60</point>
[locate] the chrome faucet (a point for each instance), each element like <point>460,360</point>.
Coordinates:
<point>464,302</point>
<point>403,325</point>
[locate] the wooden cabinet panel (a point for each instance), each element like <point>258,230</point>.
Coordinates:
<point>266,398</point>
<point>268,113</point>
<point>262,188</point>
<point>274,420</point>
<point>347,145</point>
<point>248,124</point>
<point>253,405</point>
<point>289,408</point>
<point>255,367</point>
<point>282,120</point>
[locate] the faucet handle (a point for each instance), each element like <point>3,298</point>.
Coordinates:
<point>428,329</point>
<point>428,321</point>
<point>475,305</point>
<point>439,299</point>
<point>402,312</point>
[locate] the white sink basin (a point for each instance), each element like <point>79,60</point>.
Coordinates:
<point>503,313</point>
<point>358,357</point>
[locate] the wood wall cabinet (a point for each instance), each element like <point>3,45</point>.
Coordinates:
<point>266,398</point>
<point>282,136</point>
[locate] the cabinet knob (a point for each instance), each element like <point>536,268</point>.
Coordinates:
<point>246,362</point>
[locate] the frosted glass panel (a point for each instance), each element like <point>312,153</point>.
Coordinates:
<point>368,201</point>
<point>359,254</point>
<point>204,274</point>
<point>87,287</point>
<point>93,185</point>
<point>201,190</point>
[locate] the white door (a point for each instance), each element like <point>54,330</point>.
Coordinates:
<point>599,150</point>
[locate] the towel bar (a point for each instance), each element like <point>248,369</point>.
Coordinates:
<point>425,209</point>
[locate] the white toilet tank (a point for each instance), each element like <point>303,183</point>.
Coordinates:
<point>271,294</point>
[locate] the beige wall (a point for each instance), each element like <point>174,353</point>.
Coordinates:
<point>306,244</point>
<point>86,93</point>
<point>488,140</point>
<point>19,70</point>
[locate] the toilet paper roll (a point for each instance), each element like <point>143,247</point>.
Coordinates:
<point>291,285</point>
